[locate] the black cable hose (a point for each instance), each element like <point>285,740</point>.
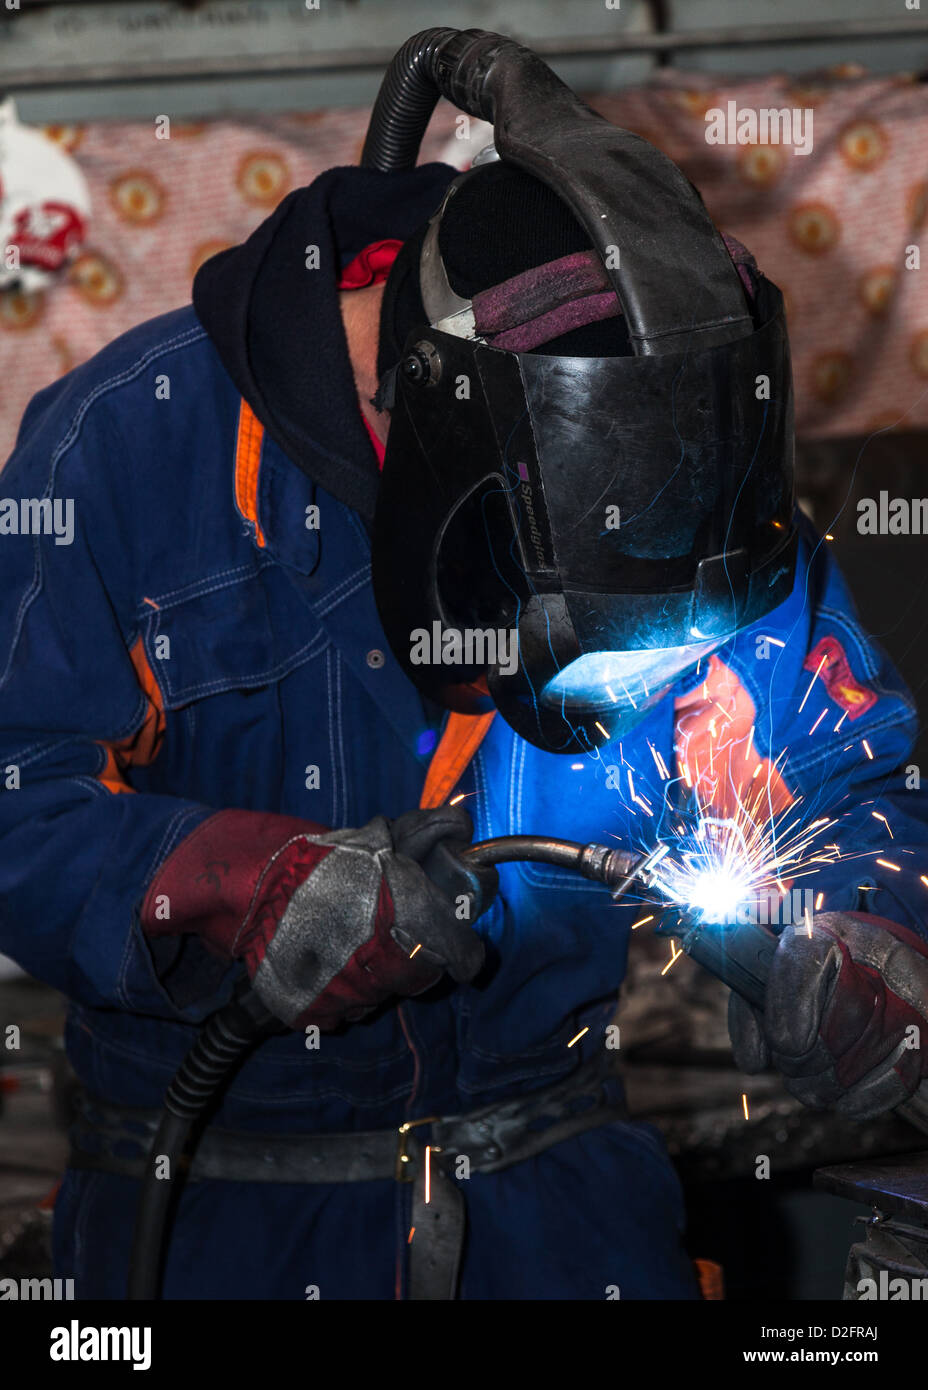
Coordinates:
<point>415,79</point>
<point>407,97</point>
<point>218,1051</point>
<point>154,1205</point>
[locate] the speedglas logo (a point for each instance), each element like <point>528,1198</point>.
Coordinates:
<point>534,533</point>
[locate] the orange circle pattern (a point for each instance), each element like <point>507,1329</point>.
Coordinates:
<point>863,145</point>
<point>814,227</point>
<point>263,178</point>
<point>97,279</point>
<point>876,288</point>
<point>138,196</point>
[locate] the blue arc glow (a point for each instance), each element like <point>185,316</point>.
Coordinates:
<point>605,678</point>
<point>716,894</point>
<point>713,875</point>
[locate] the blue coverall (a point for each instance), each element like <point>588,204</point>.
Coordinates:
<point>267,673</point>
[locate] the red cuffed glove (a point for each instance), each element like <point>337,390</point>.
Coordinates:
<point>845,1016</point>
<point>327,922</point>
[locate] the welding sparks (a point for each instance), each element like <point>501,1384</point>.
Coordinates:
<point>659,762</point>
<point>603,731</point>
<point>579,1036</point>
<point>744,1104</point>
<point>736,847</point>
<point>414,950</point>
<point>818,721</point>
<point>876,816</point>
<point>674,956</point>
<point>840,722</point>
<point>638,800</point>
<point>885,864</point>
<point>867,749</point>
<point>812,682</point>
<point>715,865</point>
<point>412,1232</point>
<point>455,799</point>
<point>428,1174</point>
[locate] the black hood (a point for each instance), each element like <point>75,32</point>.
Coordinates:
<point>276,324</point>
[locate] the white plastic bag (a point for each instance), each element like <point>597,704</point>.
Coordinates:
<point>44,205</point>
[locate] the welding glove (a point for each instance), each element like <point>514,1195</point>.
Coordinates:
<point>845,1015</point>
<point>329,923</point>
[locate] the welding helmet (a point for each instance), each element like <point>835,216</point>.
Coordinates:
<point>566,535</point>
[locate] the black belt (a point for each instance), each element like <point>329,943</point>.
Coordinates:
<point>115,1139</point>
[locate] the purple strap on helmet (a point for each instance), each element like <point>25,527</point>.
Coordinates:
<point>549,300</point>
<point>544,302</point>
<point>535,291</point>
<point>744,263</point>
<point>577,314</point>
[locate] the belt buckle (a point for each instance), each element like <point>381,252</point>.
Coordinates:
<point>405,1168</point>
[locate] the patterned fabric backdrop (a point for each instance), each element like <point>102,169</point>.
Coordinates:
<point>831,228</point>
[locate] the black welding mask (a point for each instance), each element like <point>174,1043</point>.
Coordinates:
<point>566,536</point>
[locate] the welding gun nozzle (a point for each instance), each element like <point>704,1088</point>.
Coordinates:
<point>639,871</point>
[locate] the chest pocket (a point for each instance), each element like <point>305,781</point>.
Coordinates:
<point>245,674</point>
<point>235,631</point>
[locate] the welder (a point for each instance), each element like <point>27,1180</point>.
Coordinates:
<point>545,398</point>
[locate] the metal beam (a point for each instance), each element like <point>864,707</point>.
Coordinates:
<point>203,68</point>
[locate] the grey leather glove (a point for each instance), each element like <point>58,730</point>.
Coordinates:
<point>845,1014</point>
<point>329,923</point>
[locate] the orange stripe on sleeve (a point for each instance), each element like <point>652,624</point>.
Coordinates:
<point>247,466</point>
<point>143,746</point>
<point>463,735</point>
<point>711,1278</point>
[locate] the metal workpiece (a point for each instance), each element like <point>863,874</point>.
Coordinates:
<point>891,1261</point>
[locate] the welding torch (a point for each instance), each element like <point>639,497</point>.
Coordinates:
<point>740,956</point>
